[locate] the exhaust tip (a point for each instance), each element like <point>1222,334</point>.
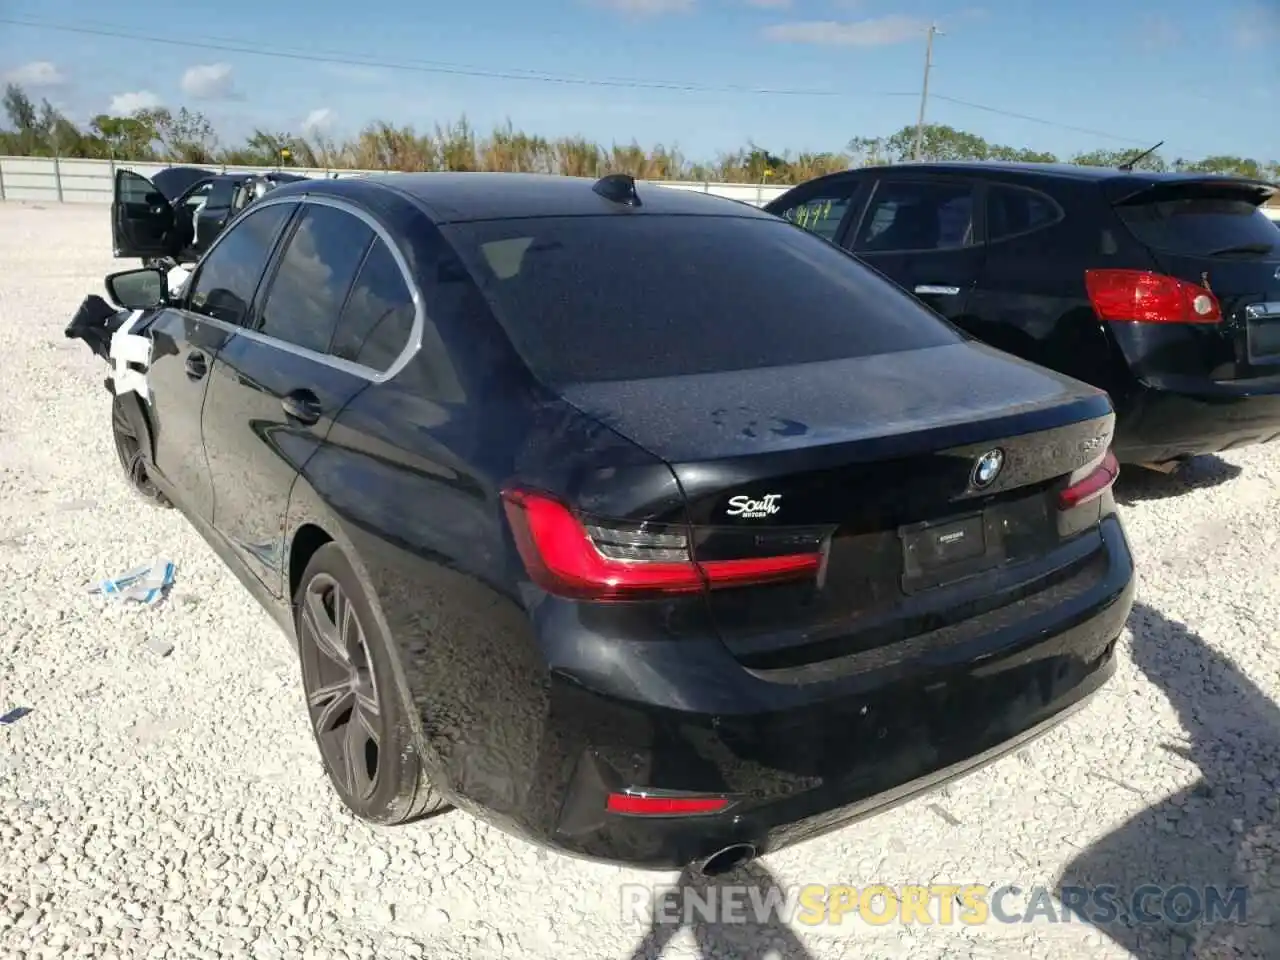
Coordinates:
<point>727,860</point>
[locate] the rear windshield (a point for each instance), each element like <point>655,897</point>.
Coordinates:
<point>1201,227</point>
<point>632,297</point>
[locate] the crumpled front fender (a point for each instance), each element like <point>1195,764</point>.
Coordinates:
<point>110,334</point>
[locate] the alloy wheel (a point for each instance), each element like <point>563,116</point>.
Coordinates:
<point>342,692</point>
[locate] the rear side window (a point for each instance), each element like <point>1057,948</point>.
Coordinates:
<point>917,215</point>
<point>1012,211</point>
<point>1201,227</point>
<point>378,318</point>
<point>316,271</point>
<point>633,297</point>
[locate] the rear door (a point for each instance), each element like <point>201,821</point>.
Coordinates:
<point>1210,234</point>
<point>185,341</point>
<point>926,236</point>
<point>1028,300</point>
<point>276,388</point>
<point>142,218</point>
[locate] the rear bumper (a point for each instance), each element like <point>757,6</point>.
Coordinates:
<point>1159,423</point>
<point>800,760</point>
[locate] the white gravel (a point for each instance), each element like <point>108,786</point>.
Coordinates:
<point>174,806</point>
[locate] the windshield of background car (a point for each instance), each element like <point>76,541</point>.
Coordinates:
<point>1198,227</point>
<point>632,297</point>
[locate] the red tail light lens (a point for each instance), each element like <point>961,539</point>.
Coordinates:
<point>1144,297</point>
<point>1092,483</point>
<point>613,560</point>
<point>638,804</point>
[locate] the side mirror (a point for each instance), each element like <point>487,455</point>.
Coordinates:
<point>138,289</point>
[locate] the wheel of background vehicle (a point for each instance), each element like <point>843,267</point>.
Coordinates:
<point>129,450</point>
<point>357,715</point>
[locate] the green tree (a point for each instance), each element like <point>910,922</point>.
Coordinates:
<point>1113,158</point>
<point>937,142</point>
<point>1232,166</point>
<point>185,137</point>
<point>130,138</point>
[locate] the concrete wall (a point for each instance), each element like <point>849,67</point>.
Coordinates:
<point>44,180</point>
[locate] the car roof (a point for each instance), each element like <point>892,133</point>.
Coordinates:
<point>1059,171</point>
<point>458,197</point>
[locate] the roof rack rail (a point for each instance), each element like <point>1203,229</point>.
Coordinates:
<point>619,188</point>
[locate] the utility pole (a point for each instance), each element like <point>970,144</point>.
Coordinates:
<point>924,91</point>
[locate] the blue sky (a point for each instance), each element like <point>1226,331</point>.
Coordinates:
<point>1203,77</point>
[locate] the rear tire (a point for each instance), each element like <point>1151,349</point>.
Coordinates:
<point>360,724</point>
<point>129,452</point>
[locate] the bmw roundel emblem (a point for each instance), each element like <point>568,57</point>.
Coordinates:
<point>987,469</point>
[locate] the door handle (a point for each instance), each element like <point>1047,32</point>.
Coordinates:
<point>938,291</point>
<point>197,365</point>
<point>302,406</point>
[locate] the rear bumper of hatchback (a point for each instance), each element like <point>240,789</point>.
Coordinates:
<point>807,761</point>
<point>1162,422</point>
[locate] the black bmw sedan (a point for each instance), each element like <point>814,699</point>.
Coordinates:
<point>635,521</point>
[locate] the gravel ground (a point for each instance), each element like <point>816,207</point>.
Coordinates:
<point>174,806</point>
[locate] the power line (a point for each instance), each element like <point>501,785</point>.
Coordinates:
<point>1039,120</point>
<point>439,67</point>
<point>337,58</point>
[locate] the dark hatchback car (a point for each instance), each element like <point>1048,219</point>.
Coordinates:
<point>1163,289</point>
<point>173,217</point>
<point>643,552</point>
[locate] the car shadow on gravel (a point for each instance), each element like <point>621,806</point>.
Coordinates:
<point>1223,832</point>
<point>1136,484</point>
<point>762,933</point>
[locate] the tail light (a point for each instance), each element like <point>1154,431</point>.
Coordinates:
<point>1146,297</point>
<point>660,805</point>
<point>595,559</point>
<point>1090,482</point>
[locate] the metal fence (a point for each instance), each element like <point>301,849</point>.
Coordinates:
<point>49,180</point>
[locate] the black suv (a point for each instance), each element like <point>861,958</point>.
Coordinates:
<point>172,218</point>
<point>636,549</point>
<point>1163,289</point>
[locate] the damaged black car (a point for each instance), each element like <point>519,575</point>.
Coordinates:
<point>638,550</point>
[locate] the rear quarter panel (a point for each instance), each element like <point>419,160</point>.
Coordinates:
<point>408,483</point>
<point>1030,299</point>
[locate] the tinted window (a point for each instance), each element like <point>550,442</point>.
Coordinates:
<point>136,190</point>
<point>1202,226</point>
<point>378,317</point>
<point>821,214</point>
<point>223,287</point>
<point>315,274</point>
<point>605,298</point>
<point>220,193</point>
<point>1011,211</point>
<point>917,216</point>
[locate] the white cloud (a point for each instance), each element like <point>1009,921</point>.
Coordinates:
<point>1256,25</point>
<point>125,104</point>
<point>319,120</point>
<point>38,73</point>
<point>877,32</point>
<point>645,8</point>
<point>209,81</point>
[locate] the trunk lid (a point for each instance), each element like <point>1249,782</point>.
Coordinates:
<point>1212,233</point>
<point>877,457</point>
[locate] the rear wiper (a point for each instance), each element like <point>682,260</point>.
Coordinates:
<point>1243,248</point>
